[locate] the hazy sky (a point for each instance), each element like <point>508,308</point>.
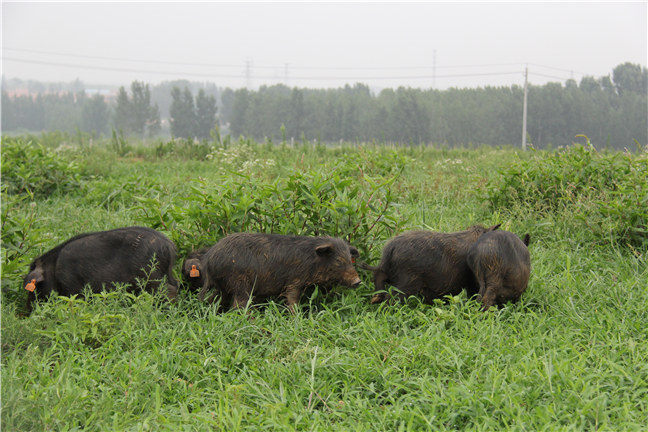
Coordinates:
<point>321,44</point>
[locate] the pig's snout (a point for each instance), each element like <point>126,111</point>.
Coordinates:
<point>352,279</point>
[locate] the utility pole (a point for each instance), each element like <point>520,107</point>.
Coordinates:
<point>434,69</point>
<point>248,73</point>
<point>524,108</point>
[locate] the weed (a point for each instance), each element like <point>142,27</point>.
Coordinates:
<point>606,192</point>
<point>30,168</point>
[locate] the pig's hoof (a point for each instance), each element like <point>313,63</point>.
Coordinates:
<point>378,298</point>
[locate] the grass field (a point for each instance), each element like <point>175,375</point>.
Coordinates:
<point>572,355</point>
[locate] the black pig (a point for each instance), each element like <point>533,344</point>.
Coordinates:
<point>192,271</point>
<point>501,264</point>
<point>427,264</point>
<point>326,288</point>
<point>100,258</point>
<point>263,265</point>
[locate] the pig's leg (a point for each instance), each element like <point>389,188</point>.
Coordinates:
<point>172,292</point>
<point>292,293</point>
<point>380,279</point>
<point>226,298</point>
<point>488,292</point>
<point>240,300</point>
<point>406,285</point>
<point>172,284</point>
<point>156,281</point>
<point>204,289</point>
<point>488,299</point>
<point>212,297</point>
<point>241,289</point>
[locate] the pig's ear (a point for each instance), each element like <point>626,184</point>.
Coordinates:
<point>354,251</point>
<point>36,274</point>
<point>494,227</point>
<point>324,250</point>
<point>526,239</point>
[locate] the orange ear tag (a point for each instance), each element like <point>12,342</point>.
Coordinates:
<point>31,286</point>
<point>194,272</point>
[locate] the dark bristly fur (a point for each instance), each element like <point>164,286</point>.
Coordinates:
<point>427,264</point>
<point>501,264</point>
<point>264,265</point>
<point>100,258</point>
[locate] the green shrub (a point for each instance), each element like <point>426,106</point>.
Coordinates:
<point>21,233</point>
<point>608,192</point>
<point>303,203</point>
<point>29,167</point>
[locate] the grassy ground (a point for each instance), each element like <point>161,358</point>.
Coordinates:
<point>572,355</point>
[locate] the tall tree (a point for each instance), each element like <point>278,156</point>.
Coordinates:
<point>295,120</point>
<point>205,114</point>
<point>154,124</point>
<point>182,113</point>
<point>630,77</point>
<point>123,110</point>
<point>240,106</point>
<point>94,115</point>
<point>143,114</point>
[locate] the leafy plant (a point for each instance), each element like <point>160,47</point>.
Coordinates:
<point>28,167</point>
<point>304,203</point>
<point>119,144</point>
<point>606,191</point>
<point>20,235</point>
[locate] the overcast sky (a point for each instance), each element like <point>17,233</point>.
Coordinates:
<point>321,44</point>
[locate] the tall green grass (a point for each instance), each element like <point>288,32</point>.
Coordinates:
<point>570,356</point>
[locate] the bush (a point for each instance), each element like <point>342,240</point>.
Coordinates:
<point>28,167</point>
<point>608,192</point>
<point>304,203</point>
<point>20,235</point>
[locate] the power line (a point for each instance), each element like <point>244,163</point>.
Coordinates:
<point>294,67</point>
<point>248,66</point>
<point>107,68</point>
<point>216,65</point>
<point>549,76</point>
<point>401,67</point>
<point>558,69</point>
<point>122,59</point>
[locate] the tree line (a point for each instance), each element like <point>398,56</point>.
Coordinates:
<point>134,113</point>
<point>610,110</point>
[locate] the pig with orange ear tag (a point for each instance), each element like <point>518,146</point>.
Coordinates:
<point>245,267</point>
<point>192,272</point>
<point>99,260</point>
